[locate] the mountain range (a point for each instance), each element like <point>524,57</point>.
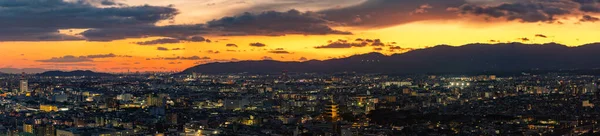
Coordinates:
<point>471,58</point>
<point>74,73</point>
<point>21,70</point>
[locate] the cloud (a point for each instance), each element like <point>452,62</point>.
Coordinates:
<point>183,58</point>
<point>258,44</point>
<point>342,44</point>
<point>66,59</point>
<point>589,5</point>
<point>384,13</point>
<point>86,58</point>
<point>162,49</point>
<point>541,36</point>
<point>40,20</point>
<point>275,23</point>
<point>588,18</point>
<point>358,42</point>
<point>377,42</point>
<point>422,9</point>
<point>279,51</point>
<point>159,41</point>
<point>378,49</point>
<point>398,48</point>
<point>269,23</point>
<point>524,39</point>
<point>174,40</point>
<point>231,45</point>
<point>213,52</point>
<point>524,10</point>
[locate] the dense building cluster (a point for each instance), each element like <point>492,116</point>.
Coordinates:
<point>295,104</point>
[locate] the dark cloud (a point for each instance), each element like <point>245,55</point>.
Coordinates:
<point>41,19</point>
<point>383,13</point>
<point>524,39</point>
<point>159,41</point>
<point>588,18</point>
<point>541,36</point>
<point>162,49</point>
<point>142,31</point>
<point>34,34</point>
<point>86,58</point>
<point>589,5</point>
<point>67,59</point>
<point>377,42</point>
<point>359,42</point>
<point>395,48</point>
<point>398,48</point>
<point>213,52</point>
<point>279,51</point>
<point>258,44</point>
<point>275,24</point>
<point>524,11</point>
<point>196,39</point>
<point>183,58</point>
<point>342,44</point>
<point>270,23</point>
<point>378,49</point>
<point>231,45</point>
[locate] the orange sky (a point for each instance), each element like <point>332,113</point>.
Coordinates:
<point>414,35</point>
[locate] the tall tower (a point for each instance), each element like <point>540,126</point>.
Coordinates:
<point>23,84</point>
<point>331,111</point>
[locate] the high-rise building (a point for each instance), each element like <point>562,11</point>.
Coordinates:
<point>155,100</point>
<point>23,84</point>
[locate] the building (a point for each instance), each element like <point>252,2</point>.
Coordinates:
<point>332,112</point>
<point>48,108</point>
<point>28,128</point>
<point>45,130</point>
<point>235,104</point>
<point>86,131</point>
<point>23,84</point>
<point>155,100</point>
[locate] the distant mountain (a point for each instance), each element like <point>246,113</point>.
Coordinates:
<point>471,58</point>
<point>26,70</point>
<point>74,73</point>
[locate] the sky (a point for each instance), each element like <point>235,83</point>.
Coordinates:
<point>172,35</point>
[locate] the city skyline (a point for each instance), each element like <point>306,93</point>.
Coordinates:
<point>120,36</point>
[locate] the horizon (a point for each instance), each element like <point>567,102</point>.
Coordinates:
<point>33,70</point>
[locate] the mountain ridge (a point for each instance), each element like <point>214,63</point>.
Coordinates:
<point>476,57</point>
<point>73,73</point>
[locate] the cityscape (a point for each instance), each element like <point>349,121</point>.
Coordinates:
<point>299,68</point>
<point>299,104</point>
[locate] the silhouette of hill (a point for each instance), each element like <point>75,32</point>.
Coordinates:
<point>26,70</point>
<point>74,73</point>
<point>471,58</point>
